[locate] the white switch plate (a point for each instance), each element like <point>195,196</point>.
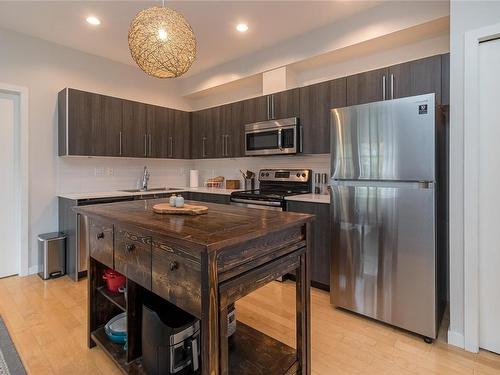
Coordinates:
<point>110,172</point>
<point>98,172</point>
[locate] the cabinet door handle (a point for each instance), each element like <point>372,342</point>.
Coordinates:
<point>273,116</point>
<point>227,147</point>
<point>120,135</point>
<point>268,107</point>
<point>203,148</point>
<point>145,145</point>
<point>392,86</point>
<point>149,141</point>
<point>100,236</point>
<point>130,247</point>
<point>223,145</point>
<point>383,87</point>
<point>171,140</point>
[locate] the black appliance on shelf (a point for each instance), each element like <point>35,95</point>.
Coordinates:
<point>170,339</point>
<point>275,186</point>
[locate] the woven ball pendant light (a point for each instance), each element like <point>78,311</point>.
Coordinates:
<point>162,42</point>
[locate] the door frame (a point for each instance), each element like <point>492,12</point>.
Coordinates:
<point>23,176</point>
<point>471,182</point>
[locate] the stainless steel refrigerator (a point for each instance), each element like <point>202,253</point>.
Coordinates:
<point>383,194</point>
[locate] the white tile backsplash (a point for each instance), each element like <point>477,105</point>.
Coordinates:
<point>229,168</point>
<point>78,174</point>
<point>81,174</point>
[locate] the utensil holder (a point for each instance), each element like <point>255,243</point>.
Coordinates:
<point>249,183</point>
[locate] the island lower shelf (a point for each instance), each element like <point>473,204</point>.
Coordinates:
<point>250,352</point>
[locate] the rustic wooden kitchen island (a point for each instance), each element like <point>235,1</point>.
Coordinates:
<point>201,264</point>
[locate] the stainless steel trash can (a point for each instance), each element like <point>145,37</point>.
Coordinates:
<point>52,252</point>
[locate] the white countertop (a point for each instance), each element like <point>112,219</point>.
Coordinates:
<point>311,198</point>
<point>116,193</point>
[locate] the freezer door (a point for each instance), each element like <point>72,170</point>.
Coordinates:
<point>383,254</point>
<point>388,140</point>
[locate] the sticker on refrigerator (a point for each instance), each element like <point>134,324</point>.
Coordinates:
<point>422,109</point>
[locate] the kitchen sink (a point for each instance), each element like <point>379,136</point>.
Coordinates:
<point>148,190</point>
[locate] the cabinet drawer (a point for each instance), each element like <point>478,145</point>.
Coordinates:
<point>176,278</point>
<point>133,256</point>
<point>101,242</point>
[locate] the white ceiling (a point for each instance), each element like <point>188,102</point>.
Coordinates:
<point>214,22</point>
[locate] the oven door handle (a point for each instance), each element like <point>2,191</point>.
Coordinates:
<point>258,203</point>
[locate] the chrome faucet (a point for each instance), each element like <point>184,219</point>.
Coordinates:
<point>145,179</point>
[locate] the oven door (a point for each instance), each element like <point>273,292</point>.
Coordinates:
<point>271,141</point>
<point>263,205</point>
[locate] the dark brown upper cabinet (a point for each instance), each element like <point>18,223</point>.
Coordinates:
<point>316,103</point>
<point>284,104</point>
<point>367,87</point>
<point>255,109</point>
<point>205,128</point>
<point>89,124</point>
<point>415,78</point>
<point>159,124</point>
<point>236,132</point>
<point>135,138</point>
<point>179,142</point>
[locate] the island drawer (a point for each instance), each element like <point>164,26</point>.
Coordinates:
<point>133,256</point>
<point>176,277</point>
<point>101,242</point>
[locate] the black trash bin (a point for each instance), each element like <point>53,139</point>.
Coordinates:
<point>170,339</point>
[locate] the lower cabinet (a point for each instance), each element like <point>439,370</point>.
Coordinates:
<point>207,197</point>
<point>321,241</point>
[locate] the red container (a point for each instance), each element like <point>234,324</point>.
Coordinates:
<point>114,280</point>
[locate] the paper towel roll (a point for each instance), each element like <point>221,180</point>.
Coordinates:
<point>193,178</point>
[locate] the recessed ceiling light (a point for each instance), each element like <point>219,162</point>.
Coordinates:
<point>242,27</point>
<point>93,20</point>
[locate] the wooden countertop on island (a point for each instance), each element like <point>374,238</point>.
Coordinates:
<point>223,225</point>
<point>202,264</point>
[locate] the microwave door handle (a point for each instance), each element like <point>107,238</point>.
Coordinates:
<point>280,145</point>
<point>194,349</point>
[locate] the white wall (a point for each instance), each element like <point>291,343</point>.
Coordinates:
<point>465,15</point>
<point>46,68</point>
<point>352,60</point>
<point>383,20</point>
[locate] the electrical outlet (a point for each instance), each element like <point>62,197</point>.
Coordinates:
<point>110,172</point>
<point>99,172</point>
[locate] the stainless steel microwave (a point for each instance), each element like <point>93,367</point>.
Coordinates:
<point>273,137</point>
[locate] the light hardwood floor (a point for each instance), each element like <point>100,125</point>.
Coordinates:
<point>47,323</point>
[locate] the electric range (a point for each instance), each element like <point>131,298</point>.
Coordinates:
<point>275,186</point>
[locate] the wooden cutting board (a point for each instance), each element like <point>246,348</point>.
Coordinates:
<point>188,209</point>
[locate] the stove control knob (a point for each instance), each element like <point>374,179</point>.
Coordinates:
<point>298,174</point>
<point>267,174</point>
<point>262,174</point>
<point>303,175</point>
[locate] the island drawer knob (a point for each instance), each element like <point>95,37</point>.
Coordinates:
<point>130,247</point>
<point>173,266</point>
<point>100,235</point>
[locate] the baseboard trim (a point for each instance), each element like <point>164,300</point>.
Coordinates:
<point>34,269</point>
<point>456,339</point>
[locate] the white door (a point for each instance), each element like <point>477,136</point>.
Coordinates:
<point>9,198</point>
<point>489,196</point>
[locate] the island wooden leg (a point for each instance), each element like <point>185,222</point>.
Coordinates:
<point>92,284</point>
<point>209,316</point>
<point>224,347</point>
<point>303,316</point>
